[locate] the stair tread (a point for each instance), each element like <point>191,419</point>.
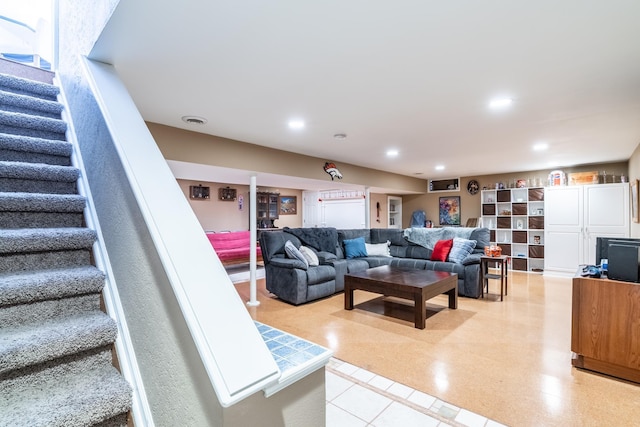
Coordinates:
<point>32,144</point>
<point>38,171</point>
<point>32,87</point>
<point>37,342</point>
<point>30,102</point>
<point>70,398</point>
<point>30,286</point>
<point>41,202</point>
<point>22,120</point>
<point>46,239</point>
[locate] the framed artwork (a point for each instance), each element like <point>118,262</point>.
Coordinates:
<point>288,205</point>
<point>198,192</point>
<point>227,194</point>
<point>634,201</point>
<point>450,210</point>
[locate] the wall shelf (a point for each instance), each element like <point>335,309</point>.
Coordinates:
<point>515,219</point>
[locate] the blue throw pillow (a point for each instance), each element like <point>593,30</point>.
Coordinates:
<point>355,248</point>
<point>461,249</point>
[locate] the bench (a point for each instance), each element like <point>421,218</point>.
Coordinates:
<point>233,247</point>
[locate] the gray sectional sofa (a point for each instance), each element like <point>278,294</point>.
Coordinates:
<point>296,282</point>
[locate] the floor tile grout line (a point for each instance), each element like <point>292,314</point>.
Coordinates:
<point>396,398</point>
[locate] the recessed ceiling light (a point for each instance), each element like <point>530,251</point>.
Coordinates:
<point>440,167</point>
<point>540,146</point>
<point>194,120</point>
<point>392,153</point>
<point>296,124</point>
<point>500,103</point>
<point>340,136</point>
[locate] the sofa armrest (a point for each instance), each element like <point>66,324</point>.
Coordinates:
<point>288,263</point>
<point>472,259</point>
<point>325,257</point>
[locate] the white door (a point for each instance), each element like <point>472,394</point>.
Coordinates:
<point>606,215</point>
<point>563,229</point>
<point>310,211</point>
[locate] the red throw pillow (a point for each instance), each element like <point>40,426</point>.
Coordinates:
<point>441,250</point>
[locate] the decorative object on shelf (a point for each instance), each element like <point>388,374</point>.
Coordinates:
<point>288,205</point>
<point>557,178</point>
<point>520,224</point>
<point>227,194</point>
<point>521,183</point>
<point>450,210</point>
<point>581,178</point>
<point>493,251</point>
<point>473,187</point>
<point>198,192</point>
<point>536,240</point>
<point>332,170</point>
<point>634,201</point>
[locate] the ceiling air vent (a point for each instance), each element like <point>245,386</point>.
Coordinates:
<point>194,120</point>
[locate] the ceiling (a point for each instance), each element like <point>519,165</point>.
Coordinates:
<point>416,76</point>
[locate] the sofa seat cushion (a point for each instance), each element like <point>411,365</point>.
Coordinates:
<point>450,267</point>
<point>355,265</point>
<point>418,264</point>
<point>377,261</point>
<point>320,273</point>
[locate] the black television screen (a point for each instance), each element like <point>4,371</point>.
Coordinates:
<point>602,245</point>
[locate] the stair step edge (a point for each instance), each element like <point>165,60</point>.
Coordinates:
<point>30,102</point>
<point>68,399</point>
<point>40,202</point>
<point>29,86</point>
<point>32,144</point>
<point>45,239</point>
<point>28,287</point>
<point>38,342</point>
<point>38,171</point>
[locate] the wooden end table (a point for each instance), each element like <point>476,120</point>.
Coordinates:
<point>503,263</point>
<point>411,284</point>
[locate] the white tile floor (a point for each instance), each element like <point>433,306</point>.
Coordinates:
<point>359,398</point>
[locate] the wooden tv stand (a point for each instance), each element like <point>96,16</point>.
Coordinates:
<point>605,327</point>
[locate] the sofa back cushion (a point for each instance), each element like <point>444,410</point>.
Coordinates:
<point>481,236</point>
<point>441,250</point>
<point>461,249</point>
<point>272,243</point>
<point>350,234</point>
<point>415,252</point>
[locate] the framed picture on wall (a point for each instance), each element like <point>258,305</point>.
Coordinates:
<point>634,201</point>
<point>198,192</point>
<point>450,210</point>
<point>288,205</point>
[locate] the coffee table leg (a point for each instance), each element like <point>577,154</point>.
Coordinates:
<point>420,310</point>
<point>453,297</point>
<point>348,298</point>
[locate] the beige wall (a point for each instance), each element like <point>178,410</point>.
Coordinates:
<point>383,217</point>
<point>186,146</point>
<point>470,204</point>
<point>217,215</point>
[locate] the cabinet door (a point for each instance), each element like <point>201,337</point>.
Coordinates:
<point>563,228</point>
<point>606,215</point>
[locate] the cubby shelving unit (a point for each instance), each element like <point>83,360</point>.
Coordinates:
<point>515,218</point>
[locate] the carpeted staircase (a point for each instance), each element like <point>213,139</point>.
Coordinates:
<point>56,366</point>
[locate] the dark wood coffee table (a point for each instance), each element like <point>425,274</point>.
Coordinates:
<point>411,284</point>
